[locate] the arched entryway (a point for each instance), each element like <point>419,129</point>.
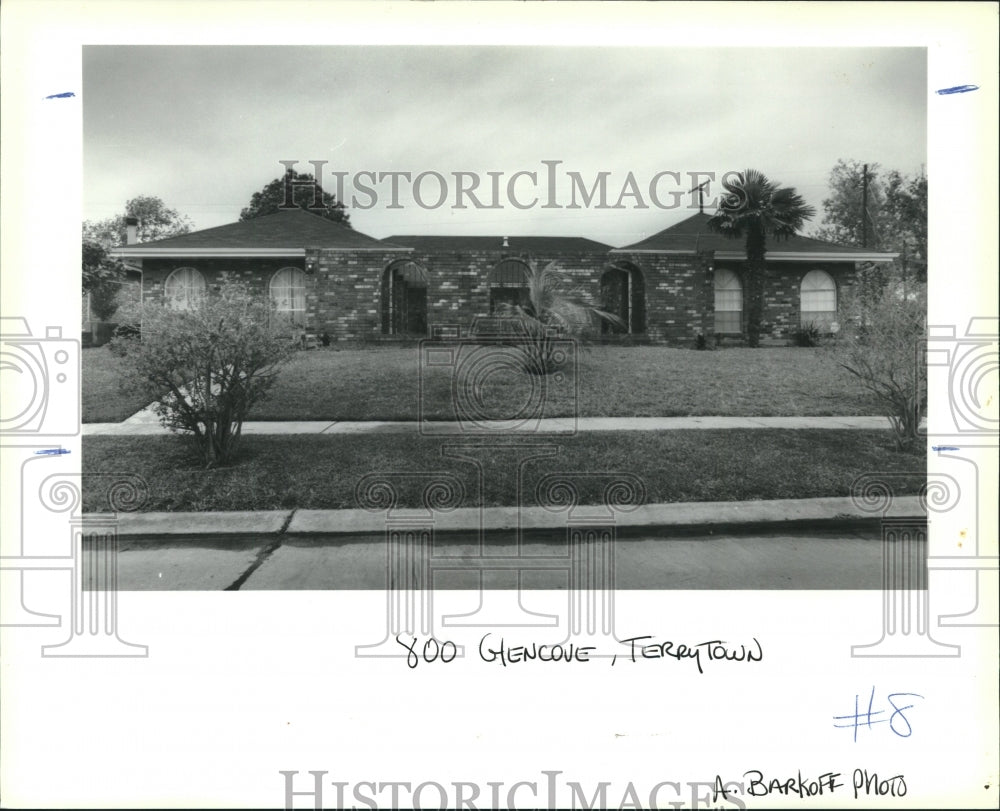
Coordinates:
<point>404,299</point>
<point>623,294</point>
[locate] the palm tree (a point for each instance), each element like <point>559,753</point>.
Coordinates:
<point>551,313</point>
<point>756,208</point>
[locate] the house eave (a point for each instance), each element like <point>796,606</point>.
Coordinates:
<point>811,256</point>
<point>648,250</point>
<point>138,253</point>
<point>773,256</point>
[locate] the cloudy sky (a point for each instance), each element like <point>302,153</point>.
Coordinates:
<point>204,127</point>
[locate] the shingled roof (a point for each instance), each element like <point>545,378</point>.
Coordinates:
<point>284,233</point>
<point>692,235</point>
<point>540,246</point>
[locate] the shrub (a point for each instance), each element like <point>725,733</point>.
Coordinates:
<point>204,368</point>
<point>880,344</point>
<point>806,335</point>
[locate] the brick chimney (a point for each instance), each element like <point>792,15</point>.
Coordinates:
<point>131,230</point>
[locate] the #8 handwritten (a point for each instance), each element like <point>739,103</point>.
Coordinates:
<point>898,722</point>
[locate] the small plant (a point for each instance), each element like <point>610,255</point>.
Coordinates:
<point>552,313</point>
<point>806,335</point>
<point>205,367</point>
<point>700,341</point>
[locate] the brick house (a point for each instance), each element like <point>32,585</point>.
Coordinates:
<point>327,278</point>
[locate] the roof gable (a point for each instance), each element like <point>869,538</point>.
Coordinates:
<point>692,235</point>
<point>290,230</point>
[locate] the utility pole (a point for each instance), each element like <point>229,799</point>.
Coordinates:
<point>904,269</point>
<point>700,189</point>
<point>864,207</point>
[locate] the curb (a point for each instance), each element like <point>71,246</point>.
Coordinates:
<point>834,512</point>
<point>562,426</point>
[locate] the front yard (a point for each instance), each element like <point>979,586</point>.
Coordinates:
<point>390,383</point>
<point>321,472</point>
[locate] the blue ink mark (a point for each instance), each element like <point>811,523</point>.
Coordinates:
<point>68,95</point>
<point>899,712</point>
<point>859,718</point>
<point>51,452</point>
<point>962,88</point>
<point>944,448</point>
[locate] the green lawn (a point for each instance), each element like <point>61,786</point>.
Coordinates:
<point>388,383</point>
<point>102,398</point>
<point>321,472</point>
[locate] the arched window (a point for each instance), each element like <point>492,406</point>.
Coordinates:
<point>184,289</point>
<point>288,292</point>
<point>508,283</point>
<point>728,302</point>
<point>818,300</point>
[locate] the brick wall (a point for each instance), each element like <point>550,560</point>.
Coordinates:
<point>781,290</point>
<point>459,288</point>
<point>255,272</point>
<point>343,296</point>
<point>344,293</point>
<point>679,295</point>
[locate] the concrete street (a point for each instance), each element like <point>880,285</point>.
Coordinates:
<point>647,558</point>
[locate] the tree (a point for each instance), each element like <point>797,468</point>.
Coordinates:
<point>156,221</point>
<point>303,190</point>
<point>552,312</point>
<point>880,345</point>
<point>103,278</point>
<point>895,219</point>
<point>756,208</point>
<point>204,368</point>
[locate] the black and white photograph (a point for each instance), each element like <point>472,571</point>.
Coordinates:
<point>349,290</point>
<point>537,408</point>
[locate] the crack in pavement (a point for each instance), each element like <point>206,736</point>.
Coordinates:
<point>262,556</point>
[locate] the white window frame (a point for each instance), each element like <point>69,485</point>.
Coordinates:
<point>734,285</point>
<point>817,292</point>
<point>284,308</point>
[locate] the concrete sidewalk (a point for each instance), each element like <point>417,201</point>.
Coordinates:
<point>790,513</point>
<point>146,424</point>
